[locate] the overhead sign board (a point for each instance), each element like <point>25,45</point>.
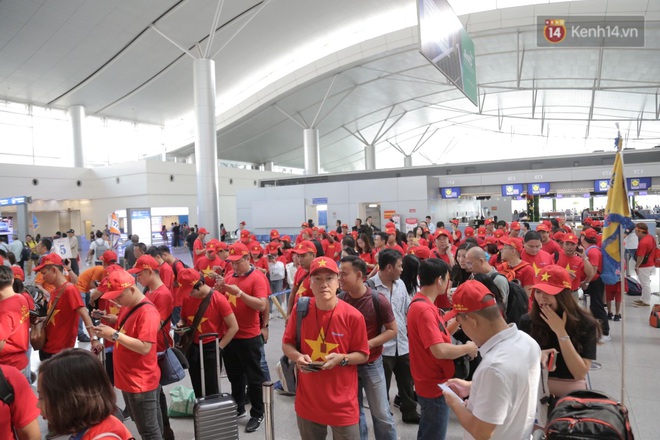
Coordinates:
<point>601,185</point>
<point>638,183</point>
<point>512,190</point>
<point>19,200</point>
<point>320,201</point>
<point>538,189</point>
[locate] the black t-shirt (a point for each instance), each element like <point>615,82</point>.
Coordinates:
<point>588,344</point>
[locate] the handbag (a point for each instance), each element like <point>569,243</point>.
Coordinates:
<point>38,330</point>
<point>171,369</point>
<point>186,339</point>
<point>654,319</point>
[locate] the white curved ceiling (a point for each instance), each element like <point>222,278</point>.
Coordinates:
<point>548,101</point>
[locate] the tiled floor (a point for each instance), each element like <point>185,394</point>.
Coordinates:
<point>642,391</point>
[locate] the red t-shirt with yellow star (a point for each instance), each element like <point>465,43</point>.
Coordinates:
<point>14,330</point>
<point>537,261</point>
<point>329,397</point>
<point>551,247</point>
<point>205,265</point>
<point>166,275</point>
<point>254,283</point>
<point>162,299</point>
<point>62,329</point>
<point>24,408</point>
<point>213,319</point>
<point>134,372</point>
<point>575,266</point>
<point>301,281</point>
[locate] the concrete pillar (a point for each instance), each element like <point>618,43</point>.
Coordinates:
<point>268,166</point>
<point>77,119</point>
<point>407,162</point>
<point>21,223</point>
<point>311,150</point>
<point>190,158</point>
<point>370,157</point>
<point>206,152</point>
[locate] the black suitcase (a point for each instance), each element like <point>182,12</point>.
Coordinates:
<point>215,417</point>
<point>587,414</point>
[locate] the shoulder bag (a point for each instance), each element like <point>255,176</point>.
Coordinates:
<point>38,330</point>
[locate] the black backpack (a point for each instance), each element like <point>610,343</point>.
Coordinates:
<point>517,303</point>
<point>586,414</point>
<point>6,390</point>
<point>374,297</point>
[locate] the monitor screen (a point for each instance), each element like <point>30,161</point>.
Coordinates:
<point>601,186</point>
<point>538,189</point>
<point>512,190</point>
<point>450,193</point>
<point>638,183</point>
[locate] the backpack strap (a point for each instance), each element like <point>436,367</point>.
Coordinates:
<point>301,312</point>
<point>6,390</point>
<point>375,297</point>
<point>442,327</point>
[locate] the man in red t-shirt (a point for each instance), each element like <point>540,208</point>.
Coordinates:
<point>333,341</point>
<point>247,290</point>
<point>577,265</point>
<point>14,322</point>
<point>165,271</point>
<point>381,327</point>
<point>146,269</point>
<point>547,244</point>
<point>431,350</point>
<point>645,262</point>
<point>62,328</point>
<point>513,267</point>
<point>198,245</point>
<point>177,266</point>
<point>534,254</point>
<point>514,229</point>
<point>443,248</point>
<point>595,287</point>
<point>306,251</point>
<point>135,361</point>
<point>209,263</point>
<point>22,415</point>
<point>217,318</point>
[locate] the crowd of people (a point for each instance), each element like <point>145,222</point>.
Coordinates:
<point>419,306</point>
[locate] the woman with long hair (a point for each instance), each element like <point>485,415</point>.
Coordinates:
<point>409,274</point>
<point>459,272</point>
<point>83,406</point>
<point>365,248</point>
<point>562,327</point>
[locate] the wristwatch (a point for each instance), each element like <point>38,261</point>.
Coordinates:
<point>343,362</point>
<point>115,336</point>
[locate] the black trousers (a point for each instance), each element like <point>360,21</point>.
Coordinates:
<point>596,292</point>
<point>210,369</point>
<point>400,366</point>
<point>242,358</point>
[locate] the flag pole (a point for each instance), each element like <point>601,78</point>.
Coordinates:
<point>622,271</point>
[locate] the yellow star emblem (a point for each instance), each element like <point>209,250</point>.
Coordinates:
<point>232,299</point>
<point>322,263</point>
<point>207,271</point>
<point>123,332</point>
<point>536,269</point>
<point>545,277</point>
<point>301,290</point>
<point>114,310</point>
<point>25,314</point>
<point>199,327</point>
<point>568,268</point>
<point>52,318</point>
<point>320,347</point>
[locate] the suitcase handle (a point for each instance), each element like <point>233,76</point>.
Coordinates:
<point>217,357</point>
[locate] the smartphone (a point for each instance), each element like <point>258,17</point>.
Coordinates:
<point>181,329</point>
<point>98,314</point>
<point>552,360</point>
<point>313,367</point>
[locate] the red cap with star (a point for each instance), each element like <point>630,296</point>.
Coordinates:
<point>323,263</point>
<point>305,247</point>
<point>144,262</point>
<point>49,260</point>
<point>187,279</point>
<point>552,279</point>
<point>237,251</point>
<point>471,296</point>
<point>118,281</point>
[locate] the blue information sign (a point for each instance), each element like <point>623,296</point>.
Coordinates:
<point>512,190</point>
<point>11,201</point>
<point>638,183</point>
<point>320,201</point>
<point>601,186</point>
<point>450,193</point>
<point>538,189</point>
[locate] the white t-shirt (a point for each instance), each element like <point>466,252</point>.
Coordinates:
<point>504,388</point>
<point>631,241</point>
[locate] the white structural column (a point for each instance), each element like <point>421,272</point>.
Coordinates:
<point>370,157</point>
<point>206,152</point>
<point>77,119</point>
<point>407,161</point>
<point>311,150</point>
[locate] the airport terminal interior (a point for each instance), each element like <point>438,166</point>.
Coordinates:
<point>140,115</point>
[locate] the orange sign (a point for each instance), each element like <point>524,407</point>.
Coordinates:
<point>389,214</point>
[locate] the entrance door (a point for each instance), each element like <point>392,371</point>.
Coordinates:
<point>371,209</point>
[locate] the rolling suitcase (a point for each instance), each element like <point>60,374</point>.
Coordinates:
<point>215,417</point>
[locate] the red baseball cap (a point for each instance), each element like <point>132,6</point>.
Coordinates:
<point>221,246</point>
<point>237,251</point>
<point>323,263</point>
<point>440,232</point>
<point>18,272</point>
<point>256,247</point>
<point>203,231</point>
<point>272,247</point>
<point>542,228</point>
<point>559,236</point>
<point>470,297</point>
<point>245,233</point>
<point>481,231</point>
<point>596,224</point>
<point>552,279</point>
<point>570,238</point>
<point>514,242</point>
<point>286,238</point>
<point>109,257</point>
<point>344,225</point>
<point>489,221</point>
<point>567,228</point>
<point>211,246</point>
<point>587,221</point>
<point>304,225</point>
<point>469,232</point>
<point>499,233</point>
<point>274,233</point>
<point>390,231</point>
<point>305,247</point>
<point>421,252</point>
<point>49,260</point>
<point>589,233</point>
<point>454,221</point>
<point>390,224</point>
<point>321,230</point>
<point>354,234</point>
<point>118,281</point>
<point>187,278</point>
<point>243,223</point>
<point>103,285</point>
<point>515,226</point>
<point>144,262</point>
<point>308,231</point>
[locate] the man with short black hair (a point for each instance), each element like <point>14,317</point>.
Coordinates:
<point>306,252</point>
<point>381,327</point>
<point>504,388</point>
<point>129,252</point>
<point>430,224</point>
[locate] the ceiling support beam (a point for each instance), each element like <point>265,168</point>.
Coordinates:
<point>599,75</point>
<point>520,59</point>
<point>639,123</point>
<point>500,118</point>
<point>263,5</point>
<point>298,123</point>
<point>334,107</point>
<point>657,106</point>
<point>535,94</point>
<point>380,135</point>
<point>542,119</point>
<point>216,18</point>
<point>482,101</point>
<point>591,108</point>
<point>181,48</point>
<point>325,98</point>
